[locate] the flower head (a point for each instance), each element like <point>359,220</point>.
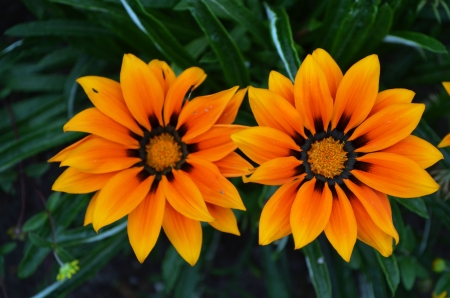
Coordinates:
<point>337,147</point>
<point>156,156</point>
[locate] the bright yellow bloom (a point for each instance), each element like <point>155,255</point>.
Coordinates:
<point>442,295</point>
<point>446,140</point>
<point>337,147</point>
<point>156,156</point>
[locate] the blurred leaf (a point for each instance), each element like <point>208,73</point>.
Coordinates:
<point>409,242</point>
<point>7,180</point>
<point>390,269</point>
<point>31,260</point>
<point>408,272</point>
<point>64,255</point>
<point>247,19</point>
<point>229,55</point>
<point>380,28</point>
<point>416,40</point>
<point>160,36</point>
<point>62,27</point>
<point>415,205</point>
<point>443,284</point>
<point>54,201</point>
<point>318,271</point>
<point>275,282</point>
<point>34,83</point>
<point>35,222</point>
<point>7,248</point>
<point>282,38</point>
<point>39,241</point>
<point>171,268</point>
<point>87,235</point>
<point>39,140</point>
<point>398,220</point>
<point>187,283</point>
<point>36,170</point>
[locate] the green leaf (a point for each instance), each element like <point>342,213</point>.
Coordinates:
<point>187,282</point>
<point>281,32</point>
<point>318,271</point>
<point>391,272</point>
<point>35,222</point>
<point>7,248</point>
<point>275,283</point>
<point>171,268</point>
<point>415,205</point>
<point>247,19</point>
<point>35,83</point>
<point>443,284</point>
<point>54,201</point>
<point>228,54</point>
<point>33,257</point>
<point>416,40</point>
<point>36,170</point>
<point>408,271</point>
<point>7,180</point>
<point>380,28</point>
<point>39,241</point>
<point>63,27</point>
<point>160,36</point>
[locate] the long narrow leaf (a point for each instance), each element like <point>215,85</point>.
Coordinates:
<point>282,38</point>
<point>228,54</point>
<point>318,270</point>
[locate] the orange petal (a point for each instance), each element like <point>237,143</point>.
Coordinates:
<point>63,154</point>
<point>277,171</point>
<point>387,127</point>
<point>142,91</point>
<point>275,217</point>
<point>184,233</point>
<point>270,109</point>
<point>185,197</point>
<point>106,95</point>
<point>312,96</point>
<point>163,73</point>
<point>369,232</point>
<point>391,97</point>
<point>310,212</point>
<point>225,219</point>
<point>215,188</point>
<point>144,223</point>
<point>120,196</point>
<point>417,149</point>
<point>445,142</point>
<point>74,181</point>
<point>264,143</point>
<point>201,113</point>
<point>375,206</point>
<point>187,81</point>
<point>330,68</point>
<point>229,114</point>
<point>341,228</point>
<point>356,94</point>
<point>281,85</point>
<point>98,155</point>
<point>233,165</point>
<point>446,86</point>
<point>95,122</point>
<point>90,210</point>
<point>394,175</point>
<point>216,143</point>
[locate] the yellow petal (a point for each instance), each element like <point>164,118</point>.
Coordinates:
<point>63,154</point>
<point>390,97</point>
<point>90,209</point>
<point>277,171</point>
<point>184,233</point>
<point>74,181</point>
<point>163,73</point>
<point>144,223</point>
<point>229,114</point>
<point>225,220</point>
<point>446,86</point>
<point>310,212</point>
<point>445,142</point>
<point>281,85</point>
<point>233,165</point>
<point>330,68</point>
<point>356,94</point>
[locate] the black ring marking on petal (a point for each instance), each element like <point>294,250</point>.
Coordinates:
<point>154,186</point>
<point>363,166</point>
<point>360,141</point>
<point>333,192</point>
<point>173,120</point>
<point>154,122</point>
<point>170,176</point>
<point>342,124</point>
<point>142,175</point>
<point>319,186</point>
<point>318,124</point>
<point>191,148</point>
<point>134,135</point>
<point>350,195</point>
<point>187,167</point>
<point>182,130</point>
<point>133,153</point>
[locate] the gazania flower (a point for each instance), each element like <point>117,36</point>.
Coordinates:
<point>337,147</point>
<point>446,140</point>
<point>155,158</point>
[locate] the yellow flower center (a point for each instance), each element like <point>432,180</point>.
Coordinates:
<point>163,152</point>
<point>327,157</point>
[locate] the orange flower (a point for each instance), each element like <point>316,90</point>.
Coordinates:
<point>337,147</point>
<point>155,157</point>
<point>446,140</point>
